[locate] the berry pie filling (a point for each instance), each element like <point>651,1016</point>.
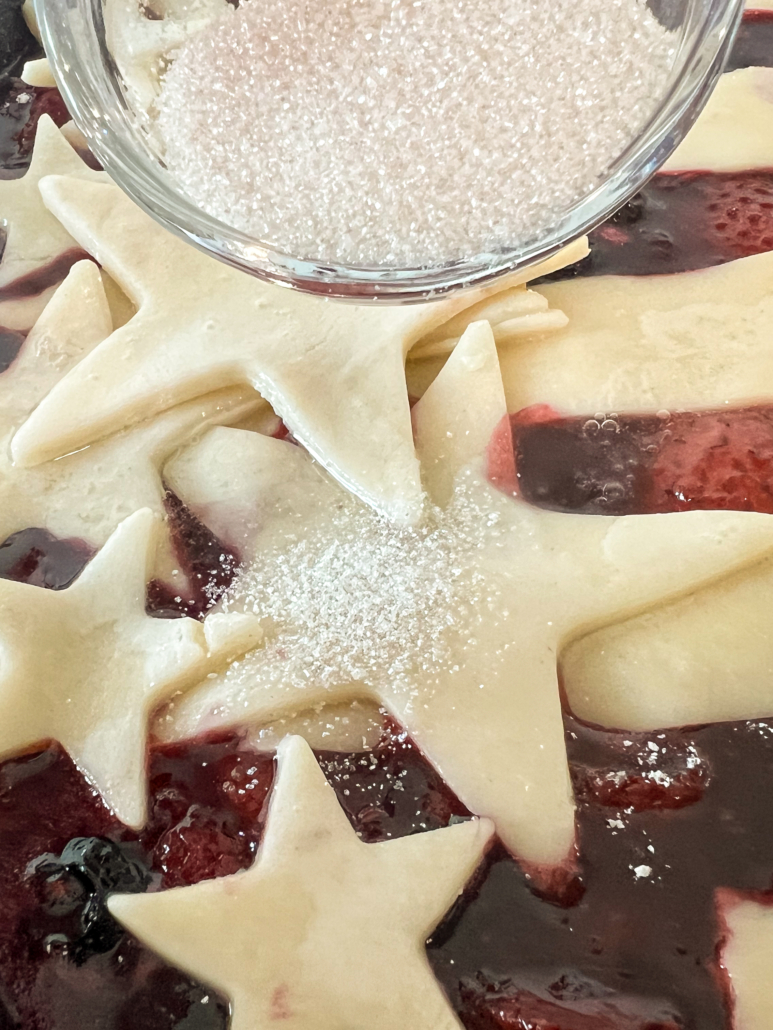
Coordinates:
<point>321,711</point>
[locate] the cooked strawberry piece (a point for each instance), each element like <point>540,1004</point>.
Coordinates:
<point>715,461</point>
<point>202,845</point>
<point>508,1007</point>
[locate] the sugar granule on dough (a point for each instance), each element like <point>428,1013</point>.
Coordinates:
<point>359,599</point>
<point>407,132</point>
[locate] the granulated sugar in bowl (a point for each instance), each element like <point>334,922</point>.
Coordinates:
<point>403,132</point>
<point>388,148</point>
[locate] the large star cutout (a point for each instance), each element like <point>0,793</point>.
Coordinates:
<point>516,584</point>
<point>87,665</point>
<point>323,931</point>
<point>35,237</point>
<point>334,372</point>
<point>693,341</point>
<point>86,494</point>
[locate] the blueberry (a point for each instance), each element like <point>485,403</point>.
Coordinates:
<point>73,919</point>
<point>106,865</point>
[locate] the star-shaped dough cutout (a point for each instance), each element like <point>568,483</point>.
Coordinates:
<point>693,341</point>
<point>521,583</point>
<point>333,372</point>
<point>35,237</point>
<point>86,494</point>
<point>87,665</point>
<point>323,931</point>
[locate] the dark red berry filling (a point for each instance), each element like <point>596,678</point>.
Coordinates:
<point>209,565</point>
<point>645,464</point>
<point>21,107</point>
<point>38,557</point>
<point>753,45</point>
<point>682,221</point>
<point>637,949</point>
<point>34,283</point>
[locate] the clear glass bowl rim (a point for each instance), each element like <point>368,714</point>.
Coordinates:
<point>74,38</point>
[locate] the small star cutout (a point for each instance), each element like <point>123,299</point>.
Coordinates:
<point>333,372</point>
<point>489,716</point>
<point>323,931</point>
<point>116,476</point>
<point>86,665</point>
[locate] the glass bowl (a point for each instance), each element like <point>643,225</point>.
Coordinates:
<point>105,107</point>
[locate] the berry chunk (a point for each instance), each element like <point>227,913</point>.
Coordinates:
<point>576,1004</point>
<point>38,557</point>
<point>203,845</point>
<point>73,919</point>
<point>715,461</point>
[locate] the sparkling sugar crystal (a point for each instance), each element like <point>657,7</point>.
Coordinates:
<point>361,600</point>
<point>407,132</point>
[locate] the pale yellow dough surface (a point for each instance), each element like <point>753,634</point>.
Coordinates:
<point>748,958</point>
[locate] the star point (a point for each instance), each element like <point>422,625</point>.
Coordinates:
<point>86,665</point>
<point>333,372</point>
<point>118,475</point>
<point>35,237</point>
<point>322,931</point>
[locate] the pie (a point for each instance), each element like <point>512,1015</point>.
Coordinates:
<point>387,668</point>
